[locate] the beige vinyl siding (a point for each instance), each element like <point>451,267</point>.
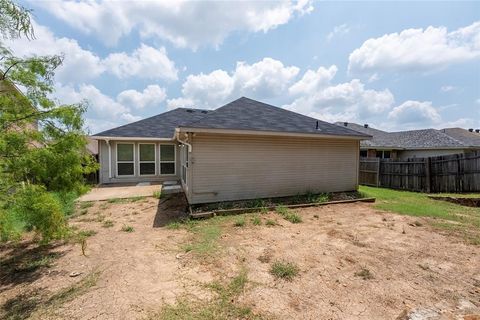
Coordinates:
<point>227,167</point>
<point>104,165</point>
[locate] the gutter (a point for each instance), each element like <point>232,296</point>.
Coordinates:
<point>131,138</point>
<point>109,158</point>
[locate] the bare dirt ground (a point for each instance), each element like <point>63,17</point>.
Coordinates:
<point>355,262</point>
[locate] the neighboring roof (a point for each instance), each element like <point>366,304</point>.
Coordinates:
<point>241,114</point>
<point>160,126</point>
<point>471,139</point>
<point>416,139</point>
<point>252,115</point>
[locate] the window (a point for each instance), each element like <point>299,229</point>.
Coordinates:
<point>363,153</point>
<point>383,154</point>
<point>125,166</point>
<point>167,159</point>
<point>146,158</point>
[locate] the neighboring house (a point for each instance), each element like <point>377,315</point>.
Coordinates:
<point>243,150</point>
<point>415,143</point>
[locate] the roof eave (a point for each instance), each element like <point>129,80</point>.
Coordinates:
<point>131,138</point>
<point>271,133</point>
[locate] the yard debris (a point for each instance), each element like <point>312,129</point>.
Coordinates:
<point>75,274</point>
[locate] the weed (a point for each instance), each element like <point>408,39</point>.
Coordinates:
<point>157,194</point>
<point>86,204</point>
<point>364,273</point>
<point>282,210</point>
<point>126,228</point>
<point>107,224</point>
<point>270,223</point>
<point>293,218</point>
<point>284,270</point>
<point>87,233</point>
<point>256,221</point>
<point>239,222</point>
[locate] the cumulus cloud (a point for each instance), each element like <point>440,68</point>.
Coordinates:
<point>340,30</point>
<point>184,23</point>
<point>144,62</point>
<point>152,95</point>
<point>264,79</point>
<point>317,96</point>
<point>417,50</point>
<point>81,65</point>
<point>415,112</point>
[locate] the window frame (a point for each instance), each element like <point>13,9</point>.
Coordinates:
<point>123,161</point>
<point>139,162</point>
<point>170,161</point>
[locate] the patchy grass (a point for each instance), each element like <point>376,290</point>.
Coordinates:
<point>125,200</point>
<point>239,222</point>
<point>107,224</point>
<point>224,305</point>
<point>87,233</point>
<point>256,221</point>
<point>284,270</point>
<point>270,223</point>
<point>206,234</point>
<point>127,228</point>
<point>365,274</point>
<point>86,204</point>
<point>288,214</point>
<point>448,217</point>
<point>158,194</point>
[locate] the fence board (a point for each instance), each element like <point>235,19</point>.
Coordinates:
<point>452,173</point>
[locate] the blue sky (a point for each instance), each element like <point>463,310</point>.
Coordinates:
<point>394,65</point>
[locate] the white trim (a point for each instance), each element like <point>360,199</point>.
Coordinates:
<point>109,158</point>
<point>117,162</point>
<point>160,160</point>
<point>131,138</point>
<point>271,133</point>
<point>139,162</point>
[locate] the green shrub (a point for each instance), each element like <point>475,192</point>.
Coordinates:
<point>284,270</point>
<point>40,211</point>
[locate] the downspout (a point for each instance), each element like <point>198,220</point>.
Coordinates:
<point>185,143</point>
<point>109,158</point>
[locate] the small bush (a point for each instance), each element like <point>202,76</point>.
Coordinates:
<point>239,222</point>
<point>256,221</point>
<point>126,228</point>
<point>107,224</point>
<point>284,270</point>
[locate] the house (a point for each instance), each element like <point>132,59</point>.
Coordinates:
<point>415,143</point>
<point>243,150</point>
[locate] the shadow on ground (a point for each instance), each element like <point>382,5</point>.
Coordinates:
<point>25,262</point>
<point>171,208</point>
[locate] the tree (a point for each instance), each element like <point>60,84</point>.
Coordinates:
<point>42,143</point>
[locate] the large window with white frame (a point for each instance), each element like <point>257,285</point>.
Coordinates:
<point>125,159</point>
<point>146,159</point>
<point>167,159</point>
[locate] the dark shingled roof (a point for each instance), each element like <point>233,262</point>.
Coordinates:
<point>248,114</point>
<point>471,139</point>
<point>413,139</point>
<point>241,114</point>
<point>160,126</point>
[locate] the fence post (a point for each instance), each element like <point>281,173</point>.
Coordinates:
<point>378,172</point>
<point>428,181</point>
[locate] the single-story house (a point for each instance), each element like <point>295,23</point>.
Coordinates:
<point>244,150</point>
<point>415,143</point>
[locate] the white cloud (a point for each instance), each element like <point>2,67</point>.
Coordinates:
<point>415,112</point>
<point>179,103</point>
<point>417,50</point>
<point>81,65</point>
<point>313,81</point>
<point>152,95</point>
<point>340,30</point>
<point>264,79</point>
<point>144,62</point>
<point>184,23</point>
<point>448,88</point>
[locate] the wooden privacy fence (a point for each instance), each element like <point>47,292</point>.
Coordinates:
<point>452,173</point>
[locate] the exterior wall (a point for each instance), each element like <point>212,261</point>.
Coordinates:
<point>228,167</point>
<point>104,164</point>
<point>426,153</point>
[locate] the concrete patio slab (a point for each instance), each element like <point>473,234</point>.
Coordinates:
<point>108,192</point>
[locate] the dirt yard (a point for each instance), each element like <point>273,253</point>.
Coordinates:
<point>354,262</point>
